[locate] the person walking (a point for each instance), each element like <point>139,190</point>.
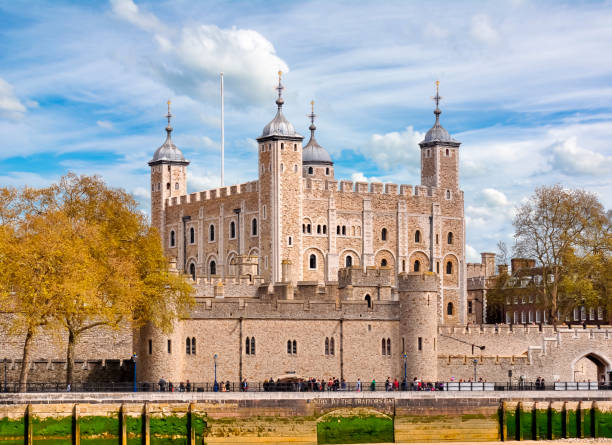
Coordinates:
<point>373,385</point>
<point>358,385</point>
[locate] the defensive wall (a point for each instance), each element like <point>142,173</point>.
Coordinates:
<point>306,418</point>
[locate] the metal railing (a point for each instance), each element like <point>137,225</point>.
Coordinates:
<point>56,387</point>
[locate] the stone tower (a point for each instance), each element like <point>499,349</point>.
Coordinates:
<point>168,178</point>
<point>280,195</point>
<point>418,297</point>
<point>440,156</point>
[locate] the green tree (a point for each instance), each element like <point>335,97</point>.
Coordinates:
<point>562,230</point>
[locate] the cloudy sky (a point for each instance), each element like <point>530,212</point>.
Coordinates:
<point>527,89</point>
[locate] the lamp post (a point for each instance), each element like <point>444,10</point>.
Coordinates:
<point>475,364</point>
<point>135,384</point>
<point>215,385</point>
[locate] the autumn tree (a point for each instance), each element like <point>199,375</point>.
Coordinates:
<point>128,282</point>
<point>36,264</point>
<point>80,255</point>
<point>564,231</point>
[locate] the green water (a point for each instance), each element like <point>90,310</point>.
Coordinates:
<point>355,430</point>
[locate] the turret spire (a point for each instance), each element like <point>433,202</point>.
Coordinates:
<point>280,89</point>
<point>312,116</point>
<point>437,99</point>
<point>169,116</point>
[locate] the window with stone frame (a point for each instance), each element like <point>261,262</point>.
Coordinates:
<point>211,232</point>
<point>312,261</point>
<point>172,238</point>
<point>254,227</point>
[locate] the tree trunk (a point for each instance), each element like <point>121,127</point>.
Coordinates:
<point>25,360</point>
<point>70,357</point>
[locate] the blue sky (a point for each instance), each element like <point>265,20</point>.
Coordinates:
<point>527,89</point>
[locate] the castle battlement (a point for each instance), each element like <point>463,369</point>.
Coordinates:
<point>294,309</point>
<point>212,194</point>
<point>371,277</point>
<point>526,330</point>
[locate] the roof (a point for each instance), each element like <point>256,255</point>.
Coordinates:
<point>279,126</point>
<point>168,152</point>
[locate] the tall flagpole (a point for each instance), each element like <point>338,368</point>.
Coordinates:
<point>222,133</point>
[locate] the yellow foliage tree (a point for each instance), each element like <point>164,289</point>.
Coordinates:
<point>80,255</point>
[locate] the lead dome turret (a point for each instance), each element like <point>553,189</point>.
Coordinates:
<point>279,126</point>
<point>313,153</point>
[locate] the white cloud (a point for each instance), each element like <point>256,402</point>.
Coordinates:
<point>494,198</point>
<point>482,29</point>
<point>10,106</point>
<point>107,125</point>
<point>573,160</point>
<point>129,11</point>
<point>472,254</point>
<point>360,177</point>
<point>394,149</point>
<point>209,143</point>
<point>192,63</point>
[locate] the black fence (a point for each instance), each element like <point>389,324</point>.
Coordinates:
<point>302,386</point>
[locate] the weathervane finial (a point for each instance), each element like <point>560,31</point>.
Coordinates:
<point>169,116</point>
<point>280,89</point>
<point>437,99</point>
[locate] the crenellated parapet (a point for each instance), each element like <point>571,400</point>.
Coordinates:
<point>213,194</point>
<point>371,276</point>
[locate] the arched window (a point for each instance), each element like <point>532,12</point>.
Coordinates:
<point>176,186</point>
<point>344,230</point>
<point>252,345</point>
<point>384,347</point>
<point>403,265</point>
<point>449,309</point>
<point>417,236</point>
<point>192,271</point>
<point>172,238</point>
<point>167,186</point>
<point>247,345</point>
<point>368,299</point>
<point>294,147</point>
<point>193,346</point>
<point>188,345</point>
<point>312,261</point>
<point>310,170</point>
<point>303,228</point>
<point>383,262</point>
<point>449,238</point>
<point>338,230</point>
<point>283,146</point>
<point>417,265</point>
<point>324,229</point>
<point>388,346</point>
<point>348,261</point>
<point>213,268</point>
<point>294,347</point>
<point>254,227</point>
<point>288,346</point>
<point>308,228</point>
<point>326,345</point>
<point>192,235</point>
<point>211,233</point>
<point>447,152</point>
<point>318,228</point>
<point>327,170</point>
<point>232,230</point>
<point>332,346</point>
<point>449,267</point>
<point>383,234</point>
<point>448,194</point>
